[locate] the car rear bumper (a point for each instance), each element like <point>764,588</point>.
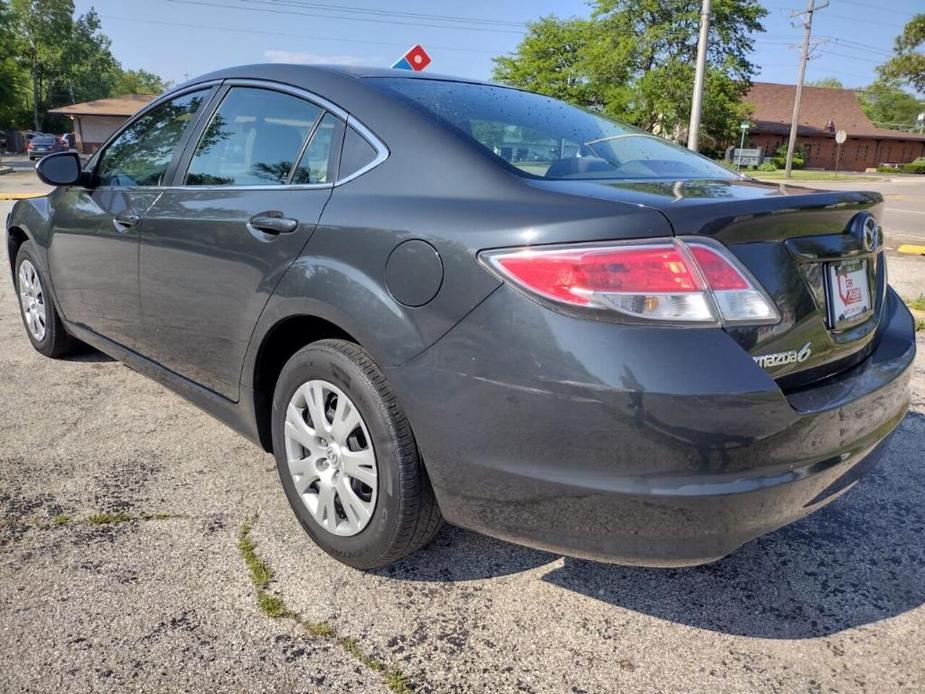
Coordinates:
<point>647,446</point>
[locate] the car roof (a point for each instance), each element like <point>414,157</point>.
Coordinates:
<point>285,72</point>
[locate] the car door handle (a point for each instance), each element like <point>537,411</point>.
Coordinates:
<point>127,219</point>
<point>274,222</point>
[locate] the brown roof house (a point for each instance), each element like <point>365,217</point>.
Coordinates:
<point>823,112</point>
<point>95,121</point>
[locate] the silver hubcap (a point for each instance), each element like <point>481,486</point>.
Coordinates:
<point>331,458</point>
<point>32,299</point>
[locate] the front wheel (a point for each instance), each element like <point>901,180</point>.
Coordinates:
<point>43,324</point>
<point>347,458</point>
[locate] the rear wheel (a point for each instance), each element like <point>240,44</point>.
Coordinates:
<point>347,458</point>
<point>43,324</point>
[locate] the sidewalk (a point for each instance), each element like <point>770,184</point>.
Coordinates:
<point>21,184</point>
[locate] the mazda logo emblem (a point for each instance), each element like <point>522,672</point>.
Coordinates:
<point>871,235</point>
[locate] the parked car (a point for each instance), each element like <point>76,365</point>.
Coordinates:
<point>627,353</point>
<point>41,144</point>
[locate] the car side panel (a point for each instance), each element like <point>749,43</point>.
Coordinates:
<point>206,275</point>
<point>340,275</point>
<point>94,260</point>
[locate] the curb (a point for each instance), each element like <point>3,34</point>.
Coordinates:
<point>21,196</point>
<point>911,249</point>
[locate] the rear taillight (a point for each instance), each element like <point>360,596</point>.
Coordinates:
<point>690,281</point>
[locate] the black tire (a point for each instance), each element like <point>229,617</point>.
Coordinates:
<point>56,342</point>
<point>406,516</point>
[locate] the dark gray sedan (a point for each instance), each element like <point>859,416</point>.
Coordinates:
<point>435,298</point>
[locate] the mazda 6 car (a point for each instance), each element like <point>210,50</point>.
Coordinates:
<point>433,298</point>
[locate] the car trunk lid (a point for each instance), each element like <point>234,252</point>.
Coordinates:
<point>818,254</point>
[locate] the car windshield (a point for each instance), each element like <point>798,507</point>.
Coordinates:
<point>551,139</point>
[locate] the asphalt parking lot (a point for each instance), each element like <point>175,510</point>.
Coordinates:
<point>121,511</point>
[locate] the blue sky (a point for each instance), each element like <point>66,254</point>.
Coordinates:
<point>175,38</point>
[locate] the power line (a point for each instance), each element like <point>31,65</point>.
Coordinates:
<point>288,35</point>
<point>865,20</point>
<point>879,8</point>
<point>848,43</point>
<point>398,13</point>
<point>851,57</point>
<point>375,20</point>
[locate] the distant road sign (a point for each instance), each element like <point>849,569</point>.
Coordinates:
<point>415,59</point>
<point>748,157</point>
<point>841,136</point>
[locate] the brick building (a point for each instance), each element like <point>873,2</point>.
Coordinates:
<point>823,112</point>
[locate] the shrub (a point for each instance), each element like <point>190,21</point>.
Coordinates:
<point>780,156</point>
<point>768,165</point>
<point>914,167</point>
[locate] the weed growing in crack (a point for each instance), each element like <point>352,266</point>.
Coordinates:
<point>273,605</point>
<point>109,518</point>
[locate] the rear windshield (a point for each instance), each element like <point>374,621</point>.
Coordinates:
<point>550,139</point>
<point>44,140</point>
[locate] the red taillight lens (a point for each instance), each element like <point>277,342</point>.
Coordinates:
<point>575,275</point>
<point>658,280</point>
<point>718,271</point>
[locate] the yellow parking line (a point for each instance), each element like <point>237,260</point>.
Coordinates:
<point>20,196</point>
<point>912,249</point>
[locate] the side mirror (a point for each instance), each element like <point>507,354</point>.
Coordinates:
<point>59,169</point>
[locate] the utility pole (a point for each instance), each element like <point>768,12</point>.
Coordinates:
<point>693,130</point>
<point>807,18</point>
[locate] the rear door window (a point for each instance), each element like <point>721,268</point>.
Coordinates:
<point>254,138</point>
<point>140,154</point>
<point>315,164</point>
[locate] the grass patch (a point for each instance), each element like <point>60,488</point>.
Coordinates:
<point>60,519</point>
<point>109,518</point>
<point>320,629</point>
<point>810,176</point>
<point>273,605</point>
<point>397,682</point>
<point>261,573</point>
<point>919,326</point>
<point>918,303</point>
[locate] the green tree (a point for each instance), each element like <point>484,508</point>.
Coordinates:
<point>908,65</point>
<point>549,60</point>
<point>42,24</point>
<point>634,60</point>
<point>14,77</point>
<point>827,82</point>
<point>62,59</point>
<point>137,82</point>
<point>889,106</point>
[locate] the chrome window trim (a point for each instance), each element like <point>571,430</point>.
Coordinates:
<point>279,186</point>
<point>382,151</point>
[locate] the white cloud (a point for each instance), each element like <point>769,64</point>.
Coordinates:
<point>303,58</point>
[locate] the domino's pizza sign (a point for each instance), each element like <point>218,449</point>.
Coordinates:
<point>415,59</point>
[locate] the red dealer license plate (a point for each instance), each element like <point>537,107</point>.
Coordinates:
<point>848,292</point>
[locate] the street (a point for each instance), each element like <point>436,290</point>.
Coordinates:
<point>904,209</point>
<point>122,508</point>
